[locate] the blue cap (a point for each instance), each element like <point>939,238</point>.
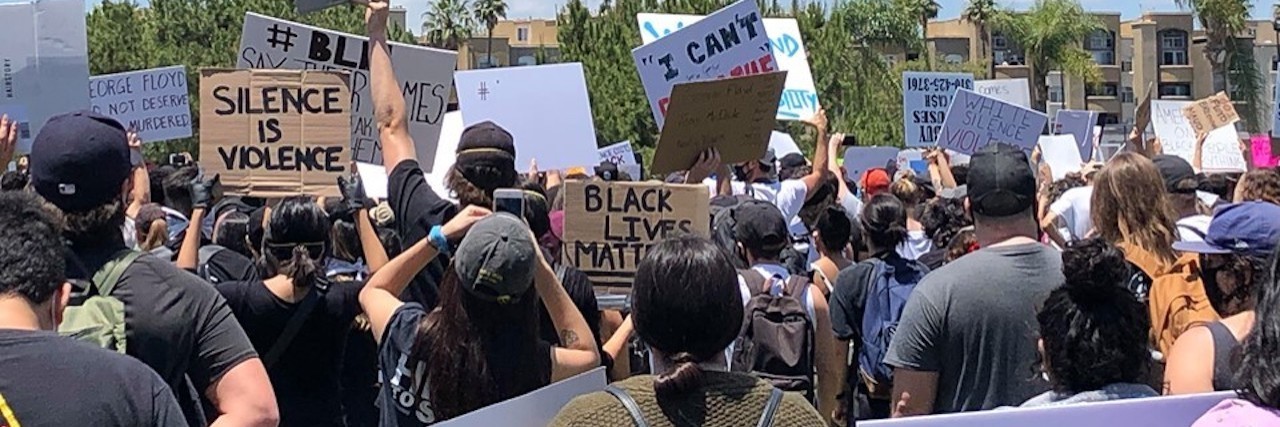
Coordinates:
<point>1249,228</point>
<point>80,160</point>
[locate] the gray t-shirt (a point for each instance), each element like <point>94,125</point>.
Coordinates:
<point>973,322</point>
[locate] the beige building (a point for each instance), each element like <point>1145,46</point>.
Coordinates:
<point>515,42</point>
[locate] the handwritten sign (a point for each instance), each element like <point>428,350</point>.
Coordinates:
<point>1149,412</point>
<point>1061,153</point>
<point>857,160</point>
<point>925,100</point>
<point>799,97</point>
<point>44,63</point>
<point>1142,117</point>
<point>279,132</point>
<point>624,156</point>
<point>533,409</point>
<point>425,74</point>
<point>609,226</point>
<point>1210,113</point>
<point>1081,125</point>
<point>733,115</point>
<point>729,43</point>
<point>151,102</point>
<point>1260,149</point>
<point>1221,151</point>
<point>1013,91</point>
<point>973,121</point>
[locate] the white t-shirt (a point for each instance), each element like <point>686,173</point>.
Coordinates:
<point>1073,210</point>
<point>130,231</point>
<point>787,195</point>
<point>917,244</point>
<point>1193,228</point>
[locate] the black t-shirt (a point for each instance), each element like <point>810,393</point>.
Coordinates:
<point>227,265</point>
<point>306,376</point>
<point>404,399</point>
<point>174,322</point>
<point>934,259</point>
<point>47,380</point>
<point>418,208</point>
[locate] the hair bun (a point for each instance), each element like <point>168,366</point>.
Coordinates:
<point>1093,269</point>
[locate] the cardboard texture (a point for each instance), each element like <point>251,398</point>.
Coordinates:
<point>926,98</point>
<point>975,121</point>
<point>1221,151</point>
<point>609,227</point>
<point>267,146</point>
<point>732,115</point>
<point>1210,113</point>
<point>44,63</point>
<point>151,102</point>
<point>1142,117</point>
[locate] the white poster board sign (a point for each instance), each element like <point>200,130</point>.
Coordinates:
<point>1163,411</point>
<point>545,108</point>
<point>1013,91</point>
<point>975,120</point>
<point>446,154</point>
<point>425,76</point>
<point>44,64</point>
<point>624,156</point>
<point>152,102</point>
<point>374,178</point>
<point>799,97</point>
<point>782,144</point>
<point>536,408</point>
<point>729,43</point>
<point>1080,125</point>
<point>926,98</point>
<point>1061,153</point>
<point>857,160</point>
<point>1221,147</point>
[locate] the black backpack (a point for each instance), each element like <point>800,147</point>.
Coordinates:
<point>777,341</point>
<point>722,210</point>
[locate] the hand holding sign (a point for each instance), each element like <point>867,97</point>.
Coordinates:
<point>706,164</point>
<point>375,16</point>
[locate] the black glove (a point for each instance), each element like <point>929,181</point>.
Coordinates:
<point>353,195</point>
<point>202,192</point>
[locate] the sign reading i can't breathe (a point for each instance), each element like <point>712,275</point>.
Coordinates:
<point>610,226</point>
<point>925,99</point>
<point>279,132</point>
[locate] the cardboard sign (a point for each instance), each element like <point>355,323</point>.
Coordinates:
<point>1162,411</point>
<point>624,156</point>
<point>1221,151</point>
<point>609,226</point>
<point>1143,116</point>
<point>152,102</point>
<point>307,6</point>
<point>729,43</point>
<point>279,132</point>
<point>1081,125</point>
<point>799,97</point>
<point>733,115</point>
<point>975,121</point>
<point>1210,113</point>
<point>926,98</point>
<point>1061,153</point>
<point>425,76</point>
<point>1013,91</point>
<point>536,408</point>
<point>44,63</point>
<point>857,160</point>
<point>782,144</point>
<point>1260,148</point>
<point>545,108</point>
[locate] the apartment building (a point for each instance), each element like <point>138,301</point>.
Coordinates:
<point>514,42</point>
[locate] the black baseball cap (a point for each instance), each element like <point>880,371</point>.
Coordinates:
<point>486,142</point>
<point>1001,182</point>
<point>1178,175</point>
<point>607,171</point>
<point>760,225</point>
<point>792,161</point>
<point>80,160</point>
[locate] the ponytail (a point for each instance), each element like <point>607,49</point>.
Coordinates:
<point>686,377</point>
<point>301,268</point>
<point>157,234</point>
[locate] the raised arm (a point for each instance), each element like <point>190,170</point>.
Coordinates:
<point>354,197</point>
<point>820,155</point>
<point>140,192</point>
<point>201,198</point>
<point>8,139</point>
<point>833,156</point>
<point>579,353</point>
<point>388,102</point>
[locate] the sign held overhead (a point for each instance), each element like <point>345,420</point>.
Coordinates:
<point>732,115</point>
<point>975,121</point>
<point>926,98</point>
<point>152,102</point>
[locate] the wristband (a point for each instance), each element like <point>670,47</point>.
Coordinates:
<point>437,239</point>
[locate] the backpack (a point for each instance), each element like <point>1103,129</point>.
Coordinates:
<point>1178,301</point>
<point>93,315</point>
<point>888,289</point>
<point>777,341</point>
<point>723,221</point>
<point>202,266</point>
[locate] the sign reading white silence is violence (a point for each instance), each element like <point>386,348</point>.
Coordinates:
<point>799,97</point>
<point>425,74</point>
<point>44,64</point>
<point>152,102</point>
<point>975,121</point>
<point>925,99</point>
<point>729,43</point>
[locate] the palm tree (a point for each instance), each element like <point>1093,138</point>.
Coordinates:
<point>1221,20</point>
<point>1051,35</point>
<point>923,11</point>
<point>979,12</point>
<point>488,12</point>
<point>447,24</point>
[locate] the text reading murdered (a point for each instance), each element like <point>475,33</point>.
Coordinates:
<point>609,227</point>
<point>275,133</point>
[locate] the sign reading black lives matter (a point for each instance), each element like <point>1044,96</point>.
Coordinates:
<point>609,227</point>
<point>425,74</point>
<point>278,133</point>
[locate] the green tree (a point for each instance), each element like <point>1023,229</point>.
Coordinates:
<point>1221,21</point>
<point>1052,35</point>
<point>980,13</point>
<point>923,11</point>
<point>447,24</point>
<point>488,12</point>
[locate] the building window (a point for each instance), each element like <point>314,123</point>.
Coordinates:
<point>1100,40</point>
<point>1105,89</point>
<point>1173,47</point>
<point>1175,90</point>
<point>999,42</point>
<point>522,34</point>
<point>526,60</point>
<point>1055,94</point>
<point>1104,57</point>
<point>1126,95</point>
<point>1275,63</point>
<point>1126,66</point>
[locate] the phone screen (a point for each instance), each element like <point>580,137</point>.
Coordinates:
<point>511,205</point>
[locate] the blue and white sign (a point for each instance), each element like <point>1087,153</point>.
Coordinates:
<point>925,100</point>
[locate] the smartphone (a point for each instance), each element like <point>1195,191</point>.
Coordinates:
<point>509,200</point>
<point>849,141</point>
<point>177,160</point>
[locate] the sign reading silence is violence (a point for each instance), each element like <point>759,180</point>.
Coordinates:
<point>275,133</point>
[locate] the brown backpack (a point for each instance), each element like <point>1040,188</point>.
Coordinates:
<point>1177,302</point>
<point>777,341</point>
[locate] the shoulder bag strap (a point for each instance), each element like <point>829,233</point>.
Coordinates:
<point>291,329</point>
<point>770,408</point>
<point>629,403</point>
<point>108,276</point>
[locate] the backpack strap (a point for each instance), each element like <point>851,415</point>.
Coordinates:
<point>795,286</point>
<point>755,281</point>
<point>770,408</point>
<point>107,277</point>
<point>629,403</point>
<point>291,329</point>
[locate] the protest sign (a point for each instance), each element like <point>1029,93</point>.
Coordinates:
<point>44,64</point>
<point>913,159</point>
<point>446,154</point>
<point>545,108</point>
<point>1013,91</point>
<point>624,156</point>
<point>425,76</point>
<point>733,115</point>
<point>1061,153</point>
<point>152,102</point>
<point>782,144</point>
<point>858,160</point>
<point>609,226</point>
<point>1221,151</point>
<point>926,98</point>
<point>1162,411</point>
<point>279,132</point>
<point>1260,148</point>
<point>374,178</point>
<point>729,43</point>
<point>799,97</point>
<point>974,120</point>
<point>533,409</point>
<point>1143,116</point>
<point>1210,113</point>
<point>1081,125</point>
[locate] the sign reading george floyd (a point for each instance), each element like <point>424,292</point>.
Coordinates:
<point>925,99</point>
<point>609,226</point>
<point>151,102</point>
<point>1210,113</point>
<point>425,76</point>
<point>279,132</point>
<point>975,121</point>
<point>732,115</point>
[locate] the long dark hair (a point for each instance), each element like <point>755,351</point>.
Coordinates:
<point>478,352</point>
<point>1259,368</point>
<point>295,241</point>
<point>686,304</point>
<point>884,221</point>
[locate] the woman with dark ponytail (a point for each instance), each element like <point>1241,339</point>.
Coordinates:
<point>687,309</point>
